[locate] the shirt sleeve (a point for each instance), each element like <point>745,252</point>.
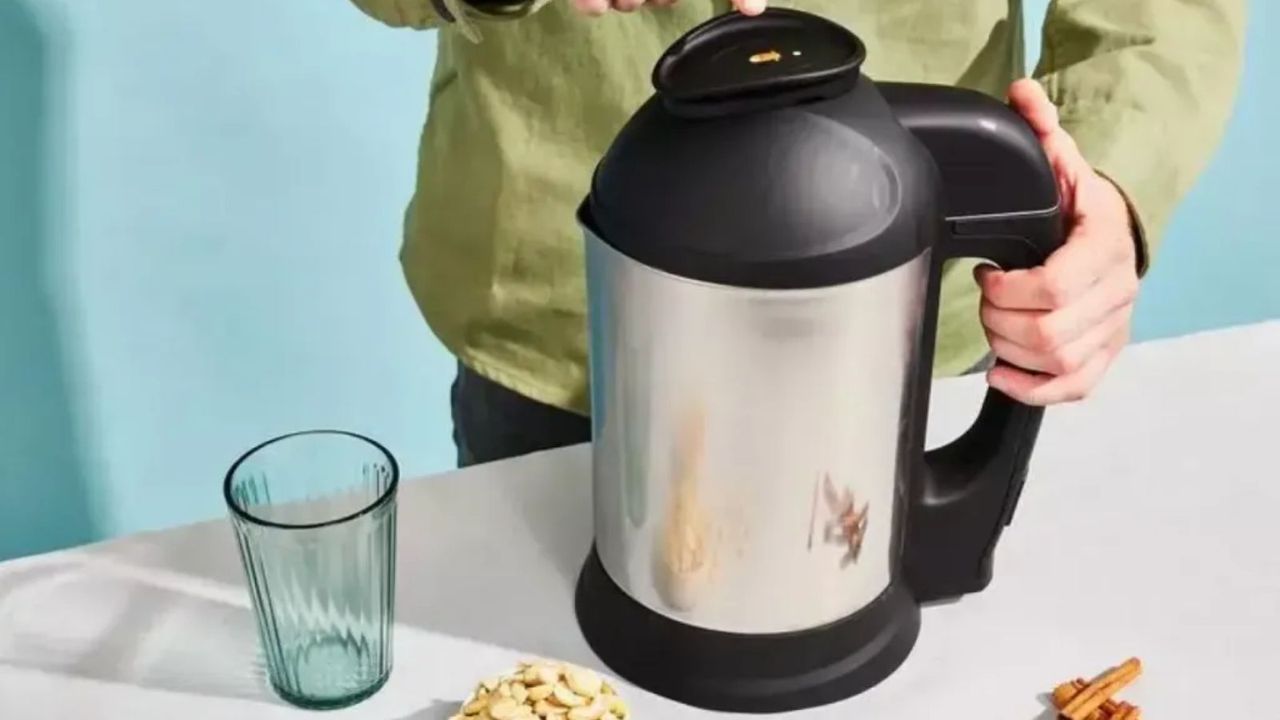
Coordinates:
<point>1146,88</point>
<point>422,14</point>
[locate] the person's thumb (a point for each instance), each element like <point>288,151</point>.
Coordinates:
<point>1072,171</point>
<point>750,7</point>
<point>1030,100</point>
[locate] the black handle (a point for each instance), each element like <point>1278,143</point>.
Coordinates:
<point>1001,201</point>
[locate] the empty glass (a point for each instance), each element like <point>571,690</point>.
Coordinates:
<point>315,519</point>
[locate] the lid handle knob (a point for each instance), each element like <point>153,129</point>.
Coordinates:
<point>734,63</point>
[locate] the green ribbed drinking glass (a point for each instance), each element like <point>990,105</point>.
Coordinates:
<point>315,520</point>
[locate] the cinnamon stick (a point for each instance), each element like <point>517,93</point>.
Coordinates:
<point>1065,692</point>
<point>1127,712</point>
<point>1102,689</point>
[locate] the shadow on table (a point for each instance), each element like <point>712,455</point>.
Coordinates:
<point>1050,712</point>
<point>97,621</point>
<point>495,558</point>
<point>439,710</point>
<point>488,559</point>
<point>466,568</point>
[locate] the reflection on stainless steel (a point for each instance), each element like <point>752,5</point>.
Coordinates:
<point>847,524</point>
<point>685,556</point>
<point>708,520</point>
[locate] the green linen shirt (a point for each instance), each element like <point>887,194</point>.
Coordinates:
<point>517,121</point>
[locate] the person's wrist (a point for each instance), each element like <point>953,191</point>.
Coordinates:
<point>1137,233</point>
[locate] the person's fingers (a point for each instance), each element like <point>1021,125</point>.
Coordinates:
<point>1088,255</point>
<point>1045,331</point>
<point>1070,273</point>
<point>1070,169</point>
<point>1028,98</point>
<point>1065,359</point>
<point>591,7</point>
<point>1030,101</point>
<point>1040,390</point>
<point>600,7</point>
<point>1099,239</point>
<point>1048,287</point>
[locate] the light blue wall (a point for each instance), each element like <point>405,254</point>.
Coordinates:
<point>199,214</point>
<point>1219,262</point>
<point>200,209</point>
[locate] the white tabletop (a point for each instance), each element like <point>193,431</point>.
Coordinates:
<point>1148,527</point>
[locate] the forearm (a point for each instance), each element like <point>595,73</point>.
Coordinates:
<point>1146,88</point>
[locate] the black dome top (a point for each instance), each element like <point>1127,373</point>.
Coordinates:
<point>764,160</point>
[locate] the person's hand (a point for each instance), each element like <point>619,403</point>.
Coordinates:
<point>600,7</point>
<point>1058,327</point>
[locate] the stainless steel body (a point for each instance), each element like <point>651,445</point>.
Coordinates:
<point>747,441</point>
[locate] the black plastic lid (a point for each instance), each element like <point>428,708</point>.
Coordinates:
<point>734,63</point>
<point>786,172</point>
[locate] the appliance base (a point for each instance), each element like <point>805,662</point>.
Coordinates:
<point>744,673</point>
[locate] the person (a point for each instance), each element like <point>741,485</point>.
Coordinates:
<point>1129,99</point>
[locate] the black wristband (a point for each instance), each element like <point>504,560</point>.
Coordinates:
<point>442,9</point>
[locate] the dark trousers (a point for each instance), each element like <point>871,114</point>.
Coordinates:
<point>493,423</point>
